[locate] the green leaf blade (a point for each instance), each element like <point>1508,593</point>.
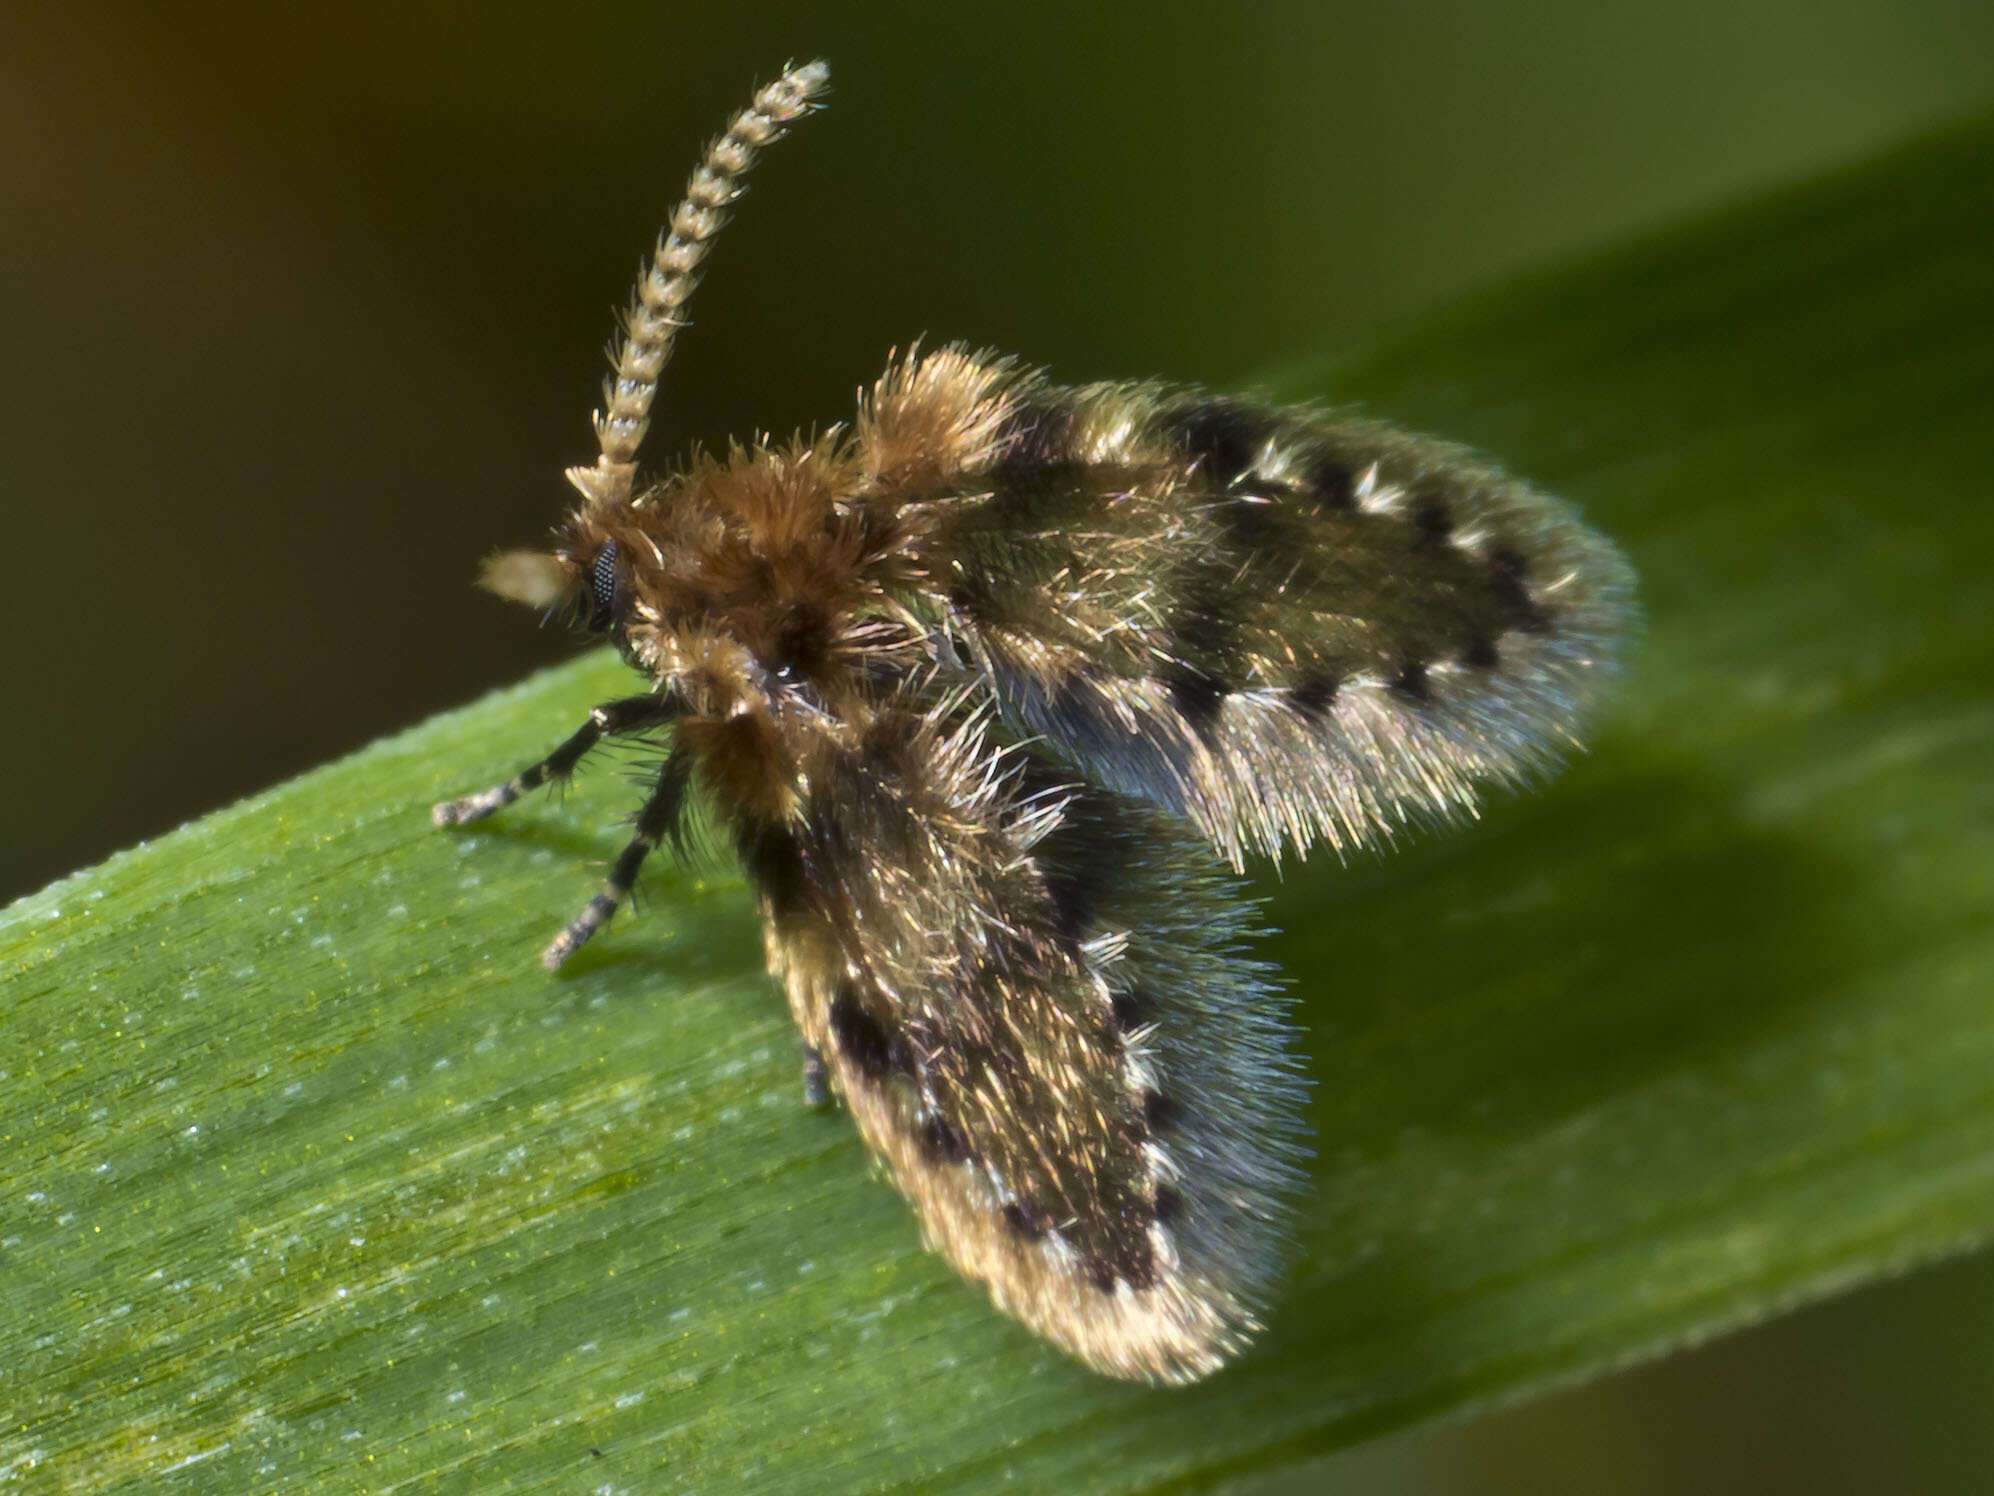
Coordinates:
<point>314,1180</point>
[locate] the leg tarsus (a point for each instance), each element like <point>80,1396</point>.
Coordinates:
<point>657,821</point>
<point>592,918</point>
<point>816,1080</point>
<point>630,714</point>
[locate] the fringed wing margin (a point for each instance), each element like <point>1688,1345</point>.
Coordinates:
<point>1037,1000</point>
<point>1284,626</point>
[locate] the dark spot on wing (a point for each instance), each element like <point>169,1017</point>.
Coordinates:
<point>1025,1223</point>
<point>1481,654</point>
<point>1411,682</point>
<point>1125,1254</point>
<point>1168,1204</point>
<point>1315,693</point>
<point>1330,483</point>
<point>864,1039</point>
<point>1158,1111</point>
<point>1196,697</point>
<point>1430,518</point>
<point>1131,1010</point>
<point>1222,436</point>
<point>776,867</point>
<point>942,1140</point>
<point>1509,571</point>
<point>1138,1268</point>
<point>1509,575</point>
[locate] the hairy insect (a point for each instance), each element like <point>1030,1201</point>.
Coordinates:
<point>990,688</point>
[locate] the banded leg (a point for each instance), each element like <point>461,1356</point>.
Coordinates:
<point>660,818</point>
<point>631,714</point>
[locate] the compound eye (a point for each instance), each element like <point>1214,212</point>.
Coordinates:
<point>602,587</point>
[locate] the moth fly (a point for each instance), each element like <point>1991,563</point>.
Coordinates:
<point>996,690</point>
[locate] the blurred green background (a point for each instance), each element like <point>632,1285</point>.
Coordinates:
<point>306,309</point>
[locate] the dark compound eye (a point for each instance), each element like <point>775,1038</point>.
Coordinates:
<point>602,585</point>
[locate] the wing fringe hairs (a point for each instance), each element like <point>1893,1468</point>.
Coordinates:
<point>1036,1000</point>
<point>1283,625</point>
<point>987,690</point>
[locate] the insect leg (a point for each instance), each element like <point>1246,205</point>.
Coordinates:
<point>660,818</point>
<point>631,714</point>
<point>816,1080</point>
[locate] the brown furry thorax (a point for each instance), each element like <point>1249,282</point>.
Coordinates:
<point>740,575</point>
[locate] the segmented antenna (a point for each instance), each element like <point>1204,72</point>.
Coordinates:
<point>657,311</point>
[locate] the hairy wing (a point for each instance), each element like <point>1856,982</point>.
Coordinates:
<point>1034,1000</point>
<point>1283,625</point>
